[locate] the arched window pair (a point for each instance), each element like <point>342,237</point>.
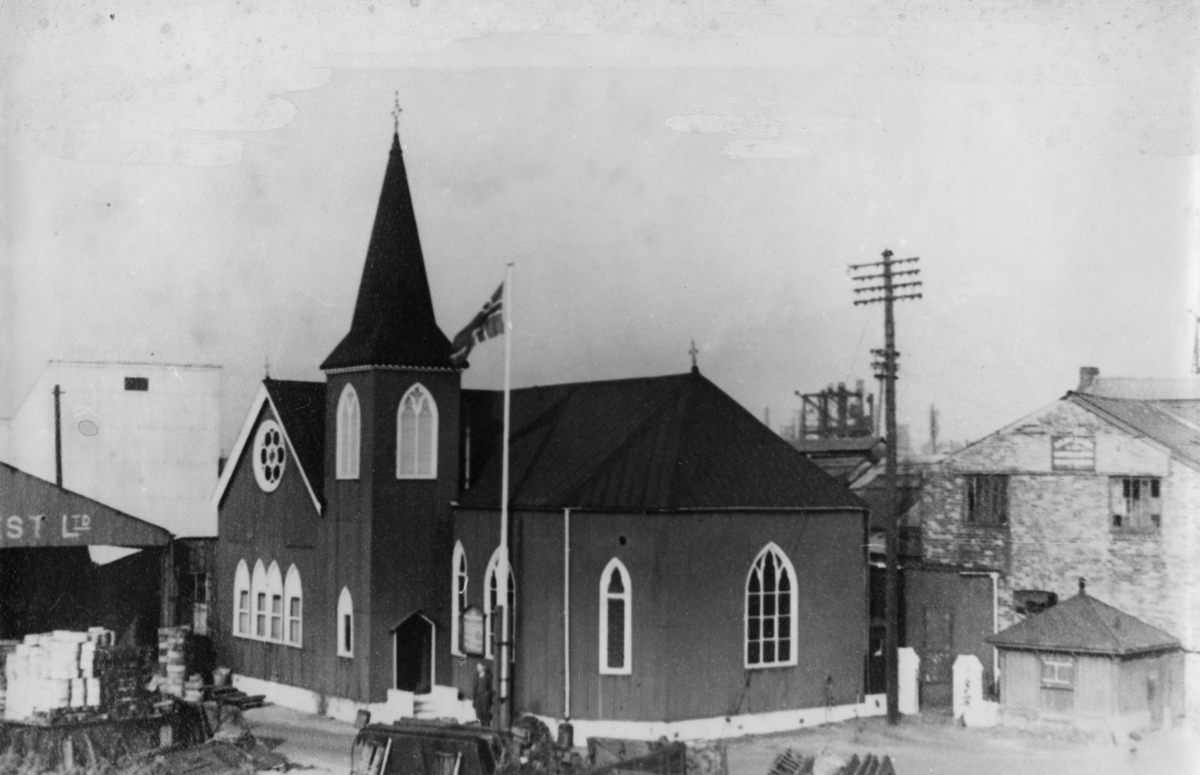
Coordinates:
<point>771,610</point>
<point>266,607</point>
<point>416,435</point>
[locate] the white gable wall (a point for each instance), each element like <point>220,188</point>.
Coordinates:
<point>154,454</point>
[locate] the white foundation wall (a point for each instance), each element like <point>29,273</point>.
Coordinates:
<point>720,727</point>
<point>152,454</point>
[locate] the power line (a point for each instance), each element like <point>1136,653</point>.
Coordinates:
<point>886,369</point>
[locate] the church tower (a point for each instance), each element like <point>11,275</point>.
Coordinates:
<point>392,414</point>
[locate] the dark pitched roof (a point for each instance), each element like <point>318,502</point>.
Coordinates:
<point>1170,423</point>
<point>393,324</point>
<point>301,407</point>
<point>1084,625</point>
<point>653,444</point>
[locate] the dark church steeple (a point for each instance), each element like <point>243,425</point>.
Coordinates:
<point>393,324</point>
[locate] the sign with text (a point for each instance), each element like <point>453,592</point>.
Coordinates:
<point>1073,453</point>
<point>38,513</point>
<point>472,631</point>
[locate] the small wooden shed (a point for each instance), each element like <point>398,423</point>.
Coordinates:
<point>1086,663</point>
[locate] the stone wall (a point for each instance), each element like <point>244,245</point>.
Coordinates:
<point>1059,521</point>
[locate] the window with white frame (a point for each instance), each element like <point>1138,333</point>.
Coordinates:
<point>349,434</point>
<point>241,600</point>
<point>1136,503</point>
<point>771,610</point>
<point>345,624</point>
<point>616,620</point>
<point>416,435</point>
<point>458,599</point>
<point>491,603</point>
<point>294,605</point>
<point>275,591</point>
<point>259,593</point>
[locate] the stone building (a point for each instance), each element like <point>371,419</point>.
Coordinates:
<point>1102,484</point>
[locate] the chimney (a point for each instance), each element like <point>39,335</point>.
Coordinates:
<point>1082,585</point>
<point>1087,376</point>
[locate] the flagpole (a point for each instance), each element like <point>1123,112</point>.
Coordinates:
<point>504,569</point>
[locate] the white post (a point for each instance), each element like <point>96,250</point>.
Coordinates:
<point>968,684</point>
<point>909,668</point>
<point>567,614</point>
<point>504,569</point>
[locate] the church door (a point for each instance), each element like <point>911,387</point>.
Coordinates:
<point>414,654</point>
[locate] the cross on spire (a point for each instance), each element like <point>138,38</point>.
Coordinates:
<point>692,351</point>
<point>396,111</point>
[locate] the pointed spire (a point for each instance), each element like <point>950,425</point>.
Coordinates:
<point>394,322</point>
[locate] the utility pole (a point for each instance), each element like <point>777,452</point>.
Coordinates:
<point>886,293</point>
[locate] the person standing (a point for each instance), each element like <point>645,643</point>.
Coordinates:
<point>481,695</point>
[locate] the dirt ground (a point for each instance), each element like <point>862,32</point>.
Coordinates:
<point>928,744</point>
<point>932,745</point>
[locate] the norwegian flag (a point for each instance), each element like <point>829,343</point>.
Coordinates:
<point>487,323</point>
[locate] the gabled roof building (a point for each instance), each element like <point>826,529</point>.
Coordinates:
<point>1097,485</point>
<point>677,568</point>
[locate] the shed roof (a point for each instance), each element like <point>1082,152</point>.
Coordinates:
<point>1084,625</point>
<point>53,516</point>
<point>651,444</point>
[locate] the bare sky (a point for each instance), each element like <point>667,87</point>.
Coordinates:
<point>199,186</point>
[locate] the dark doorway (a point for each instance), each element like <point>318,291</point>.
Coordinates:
<point>414,654</point>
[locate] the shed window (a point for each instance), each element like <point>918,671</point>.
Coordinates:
<point>345,624</point>
<point>458,600</point>
<point>349,431</point>
<point>416,435</point>
<point>241,599</point>
<point>987,499</point>
<point>771,610</point>
<point>1057,693</point>
<point>616,624</point>
<point>491,603</point>
<point>294,594</point>
<point>1136,503</point>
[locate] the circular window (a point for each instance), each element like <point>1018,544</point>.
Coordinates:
<point>270,458</point>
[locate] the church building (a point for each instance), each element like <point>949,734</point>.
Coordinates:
<point>677,568</point>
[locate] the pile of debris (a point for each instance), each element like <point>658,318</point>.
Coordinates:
<point>792,763</point>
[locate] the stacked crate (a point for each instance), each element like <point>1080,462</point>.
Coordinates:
<point>50,672</point>
<point>173,659</point>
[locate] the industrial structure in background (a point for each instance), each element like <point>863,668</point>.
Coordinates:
<point>886,293</point>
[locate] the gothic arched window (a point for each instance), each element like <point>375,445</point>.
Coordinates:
<point>491,602</point>
<point>416,435</point>
<point>771,610</point>
<point>349,434</point>
<point>458,600</point>
<point>616,620</point>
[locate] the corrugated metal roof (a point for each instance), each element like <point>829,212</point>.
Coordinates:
<point>1170,423</point>
<point>653,444</point>
<point>301,407</point>
<point>1083,624</point>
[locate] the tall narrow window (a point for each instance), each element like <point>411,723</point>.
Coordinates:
<point>1136,503</point>
<point>258,590</point>
<point>771,610</point>
<point>616,622</point>
<point>491,603</point>
<point>349,425</point>
<point>241,600</point>
<point>345,620</point>
<point>294,603</point>
<point>458,601</point>
<point>987,499</point>
<point>416,435</point>
<point>275,591</point>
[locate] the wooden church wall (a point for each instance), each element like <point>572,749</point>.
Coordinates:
<point>688,575</point>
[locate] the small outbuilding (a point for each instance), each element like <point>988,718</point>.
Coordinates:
<point>1088,664</point>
